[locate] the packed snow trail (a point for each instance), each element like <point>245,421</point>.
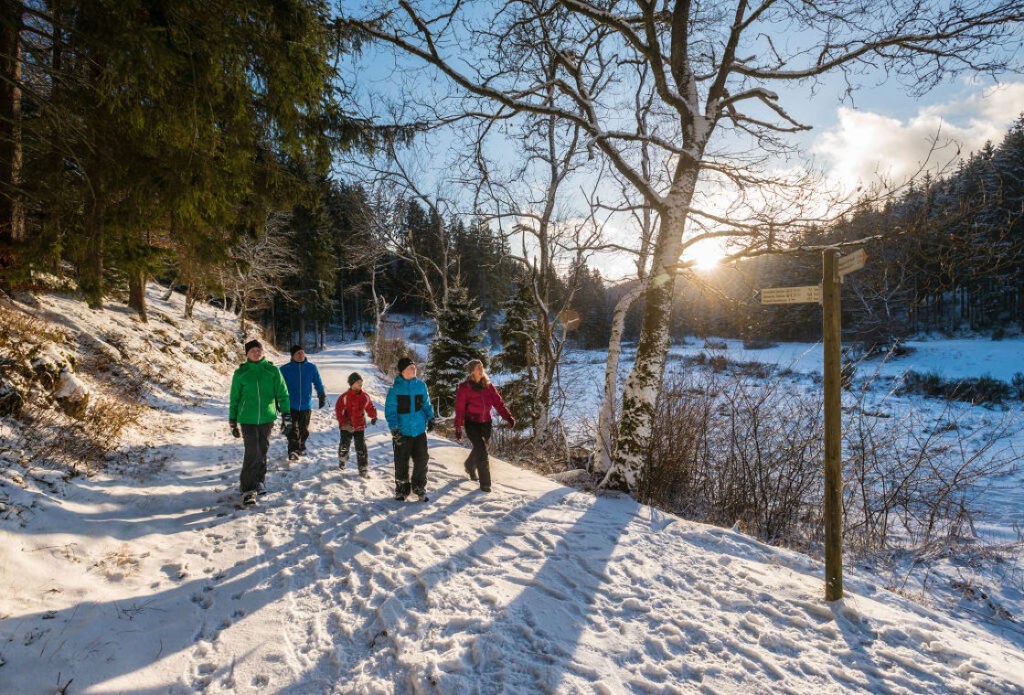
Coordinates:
<point>161,585</point>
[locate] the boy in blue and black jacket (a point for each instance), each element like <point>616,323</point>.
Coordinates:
<point>410,416</point>
<point>302,378</point>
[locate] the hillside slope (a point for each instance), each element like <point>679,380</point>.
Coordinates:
<point>158,584</point>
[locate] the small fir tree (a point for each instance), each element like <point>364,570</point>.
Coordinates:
<point>457,341</point>
<point>517,356</point>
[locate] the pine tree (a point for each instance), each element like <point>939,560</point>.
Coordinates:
<point>457,341</point>
<point>517,355</point>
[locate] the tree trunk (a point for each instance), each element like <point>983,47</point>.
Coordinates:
<point>542,423</point>
<point>242,301</point>
<point>272,329</point>
<point>344,321</point>
<point>90,268</point>
<point>190,301</point>
<point>12,215</point>
<point>170,290</point>
<point>643,386</point>
<point>604,442</point>
<point>137,292</point>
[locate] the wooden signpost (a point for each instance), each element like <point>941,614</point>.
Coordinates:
<point>834,267</point>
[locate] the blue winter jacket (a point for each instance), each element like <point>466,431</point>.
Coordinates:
<point>408,407</point>
<point>302,378</point>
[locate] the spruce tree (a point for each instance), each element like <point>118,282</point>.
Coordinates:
<point>458,340</point>
<point>517,355</point>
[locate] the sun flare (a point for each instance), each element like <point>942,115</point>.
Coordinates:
<point>705,256</point>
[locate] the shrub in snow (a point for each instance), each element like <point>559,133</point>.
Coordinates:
<point>12,399</point>
<point>728,448</point>
<point>72,395</point>
<point>51,361</point>
<point>1018,385</point>
<point>984,389</point>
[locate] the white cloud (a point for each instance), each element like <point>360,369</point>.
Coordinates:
<point>864,145</point>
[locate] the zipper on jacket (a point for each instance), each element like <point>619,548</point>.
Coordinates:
<point>259,401</point>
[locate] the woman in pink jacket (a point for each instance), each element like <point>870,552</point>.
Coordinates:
<point>473,402</point>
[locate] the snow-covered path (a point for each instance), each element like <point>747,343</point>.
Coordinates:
<point>161,585</point>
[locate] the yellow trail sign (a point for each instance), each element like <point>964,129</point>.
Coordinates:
<point>791,295</point>
<point>852,262</point>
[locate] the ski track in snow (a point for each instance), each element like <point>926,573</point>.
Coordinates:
<point>330,586</point>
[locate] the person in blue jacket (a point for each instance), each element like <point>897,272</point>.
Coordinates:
<point>302,377</point>
<point>410,416</point>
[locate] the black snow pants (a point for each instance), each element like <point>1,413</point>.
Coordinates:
<point>415,448</point>
<point>254,463</point>
<point>362,458</point>
<point>299,431</point>
<point>478,462</point>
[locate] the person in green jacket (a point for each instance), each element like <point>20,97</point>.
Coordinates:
<point>258,393</point>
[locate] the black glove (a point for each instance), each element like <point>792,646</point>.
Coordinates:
<point>323,399</point>
<point>373,421</point>
<point>430,425</point>
<point>286,422</point>
<point>235,432</point>
<point>396,434</point>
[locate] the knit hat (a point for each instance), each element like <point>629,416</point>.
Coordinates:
<point>295,348</point>
<point>252,344</point>
<point>353,378</point>
<point>403,363</point>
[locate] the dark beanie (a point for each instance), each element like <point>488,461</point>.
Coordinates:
<point>295,348</point>
<point>353,378</point>
<point>403,363</point>
<point>251,344</point>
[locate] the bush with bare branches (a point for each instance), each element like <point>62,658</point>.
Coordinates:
<point>731,448</point>
<point>387,346</point>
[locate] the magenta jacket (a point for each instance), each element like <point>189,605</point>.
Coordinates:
<point>474,405</point>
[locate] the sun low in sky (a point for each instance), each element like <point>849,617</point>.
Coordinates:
<point>706,255</point>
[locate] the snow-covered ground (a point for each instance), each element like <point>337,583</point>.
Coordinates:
<point>157,584</point>
<point>952,358</point>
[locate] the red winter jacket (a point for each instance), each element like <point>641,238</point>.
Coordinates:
<point>350,408</point>
<point>475,405</point>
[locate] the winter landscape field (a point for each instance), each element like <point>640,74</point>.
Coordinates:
<point>153,581</point>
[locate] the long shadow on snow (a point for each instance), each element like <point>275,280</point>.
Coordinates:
<point>551,608</point>
<point>367,641</point>
<point>554,618</point>
<point>254,582</point>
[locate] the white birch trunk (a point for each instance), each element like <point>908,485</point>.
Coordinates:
<point>603,444</point>
<point>643,386</point>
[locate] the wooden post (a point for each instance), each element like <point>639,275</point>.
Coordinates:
<point>831,333</point>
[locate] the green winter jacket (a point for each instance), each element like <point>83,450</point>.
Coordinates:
<point>258,391</point>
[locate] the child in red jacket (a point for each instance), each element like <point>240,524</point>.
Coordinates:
<point>350,410</point>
